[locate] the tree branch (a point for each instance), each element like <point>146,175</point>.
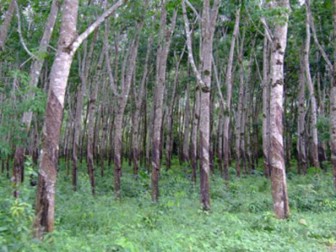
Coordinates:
<point>79,40</point>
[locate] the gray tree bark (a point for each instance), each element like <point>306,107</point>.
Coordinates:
<point>277,162</point>
<point>67,46</point>
<point>161,66</point>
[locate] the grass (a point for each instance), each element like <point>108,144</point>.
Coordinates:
<point>241,218</point>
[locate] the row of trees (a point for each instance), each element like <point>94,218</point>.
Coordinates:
<point>208,81</point>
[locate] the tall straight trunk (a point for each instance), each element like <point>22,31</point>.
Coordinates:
<point>220,146</point>
<point>67,46</point>
<point>228,83</point>
<point>186,132</point>
<point>170,116</point>
<point>34,75</point>
<point>139,98</point>
<point>6,24</point>
<point>310,85</point>
<point>161,65</point>
<point>45,201</point>
<point>333,104</point>
<point>277,162</point>
<point>120,108</point>
<point>208,22</point>
<point>266,108</point>
<point>194,139</point>
<point>301,142</point>
<point>91,121</point>
<point>239,118</point>
<point>76,132</point>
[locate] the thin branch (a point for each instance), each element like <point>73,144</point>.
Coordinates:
<point>20,32</point>
<point>268,32</point>
<point>189,45</point>
<point>313,29</point>
<point>198,17</point>
<point>224,105</point>
<point>79,40</point>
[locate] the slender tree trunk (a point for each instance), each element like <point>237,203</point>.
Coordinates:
<point>301,142</point>
<point>310,85</point>
<point>208,21</point>
<point>121,104</point>
<point>161,65</point>
<point>186,133</point>
<point>136,115</point>
<point>76,132</point>
<point>278,176</point>
<point>228,83</point>
<point>34,75</point>
<point>239,117</point>
<point>67,46</point>
<point>170,117</point>
<point>6,24</point>
<point>266,108</point>
<point>194,139</point>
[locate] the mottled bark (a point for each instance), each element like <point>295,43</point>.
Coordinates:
<point>208,21</point>
<point>67,46</point>
<point>266,108</point>
<point>228,84</point>
<point>76,131</point>
<point>194,139</point>
<point>6,24</point>
<point>310,85</point>
<point>240,117</point>
<point>170,116</point>
<point>161,65</point>
<point>277,162</point>
<point>127,75</point>
<point>34,75</point>
<point>186,132</point>
<point>139,98</point>
<point>301,142</point>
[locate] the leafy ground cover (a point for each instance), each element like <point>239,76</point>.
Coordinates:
<point>241,218</point>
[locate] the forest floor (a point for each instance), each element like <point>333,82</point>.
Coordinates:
<point>241,218</point>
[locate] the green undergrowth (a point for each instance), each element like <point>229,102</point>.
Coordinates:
<point>241,218</point>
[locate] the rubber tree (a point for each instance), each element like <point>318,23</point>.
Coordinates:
<point>203,75</point>
<point>165,37</point>
<point>278,39</point>
<point>68,44</point>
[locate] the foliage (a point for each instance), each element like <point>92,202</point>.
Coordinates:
<point>241,218</point>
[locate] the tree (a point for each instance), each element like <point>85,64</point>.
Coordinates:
<point>165,37</point>
<point>277,162</point>
<point>68,44</point>
<point>34,75</point>
<point>203,75</point>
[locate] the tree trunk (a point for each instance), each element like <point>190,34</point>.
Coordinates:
<point>161,65</point>
<point>277,162</point>
<point>208,22</point>
<point>128,69</point>
<point>34,75</point>
<point>301,142</point>
<point>310,85</point>
<point>227,111</point>
<point>67,46</point>
<point>139,98</point>
<point>266,108</point>
<point>170,117</point>
<point>186,132</point>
